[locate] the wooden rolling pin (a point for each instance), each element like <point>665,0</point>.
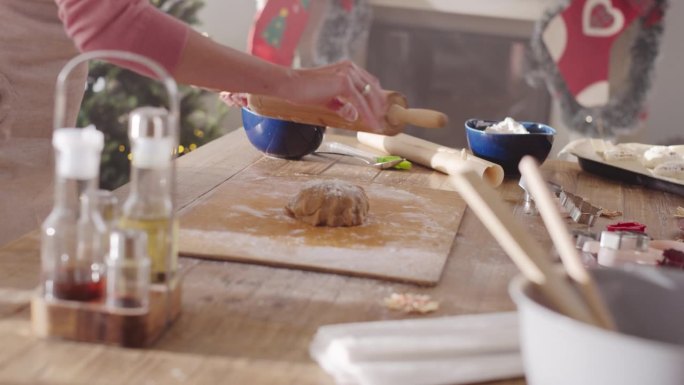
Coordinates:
<point>397,116</point>
<point>444,159</point>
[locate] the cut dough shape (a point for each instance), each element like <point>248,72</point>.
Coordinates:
<point>617,154</point>
<point>332,203</point>
<point>672,169</point>
<point>659,154</point>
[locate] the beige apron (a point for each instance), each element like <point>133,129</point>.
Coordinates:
<point>33,49</point>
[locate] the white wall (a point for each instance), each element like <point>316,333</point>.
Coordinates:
<point>667,95</point>
<point>228,21</point>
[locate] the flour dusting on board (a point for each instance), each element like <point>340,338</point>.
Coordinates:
<point>406,235</point>
<point>249,210</point>
<point>290,251</point>
<point>389,192</point>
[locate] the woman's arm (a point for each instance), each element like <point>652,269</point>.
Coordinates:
<point>338,86</point>
<point>126,25</point>
<point>136,26</point>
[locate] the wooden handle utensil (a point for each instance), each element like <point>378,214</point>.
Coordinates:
<point>560,235</point>
<point>525,252</point>
<point>397,116</point>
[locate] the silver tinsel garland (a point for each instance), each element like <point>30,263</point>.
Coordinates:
<point>621,113</point>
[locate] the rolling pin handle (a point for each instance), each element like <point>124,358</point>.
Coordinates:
<point>398,116</point>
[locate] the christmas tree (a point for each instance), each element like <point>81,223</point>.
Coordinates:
<point>275,29</point>
<point>112,92</point>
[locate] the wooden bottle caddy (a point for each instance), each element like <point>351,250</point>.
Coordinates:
<point>95,322</point>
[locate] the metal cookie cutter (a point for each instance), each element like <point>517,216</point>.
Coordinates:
<point>580,211</point>
<point>585,213</point>
<point>582,237</point>
<point>569,201</point>
<point>620,247</point>
<point>529,207</point>
<point>587,243</point>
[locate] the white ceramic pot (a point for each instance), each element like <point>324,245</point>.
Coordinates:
<point>648,306</point>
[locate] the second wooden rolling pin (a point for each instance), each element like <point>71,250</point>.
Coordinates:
<point>440,158</point>
<point>398,114</point>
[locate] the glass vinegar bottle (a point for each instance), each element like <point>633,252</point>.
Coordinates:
<point>128,271</point>
<point>72,258</point>
<point>149,206</point>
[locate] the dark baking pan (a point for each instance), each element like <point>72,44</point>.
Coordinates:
<point>626,176</point>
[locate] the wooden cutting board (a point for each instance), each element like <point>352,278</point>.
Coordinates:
<point>407,235</point>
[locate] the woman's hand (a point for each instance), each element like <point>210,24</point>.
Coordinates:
<point>342,87</point>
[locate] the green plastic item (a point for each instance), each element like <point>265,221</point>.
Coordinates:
<point>404,165</point>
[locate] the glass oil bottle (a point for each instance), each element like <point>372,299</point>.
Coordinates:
<point>71,236</point>
<point>149,206</point>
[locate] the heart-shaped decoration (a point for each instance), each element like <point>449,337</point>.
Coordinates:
<point>601,19</point>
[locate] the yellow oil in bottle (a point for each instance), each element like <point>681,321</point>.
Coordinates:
<point>162,245</point>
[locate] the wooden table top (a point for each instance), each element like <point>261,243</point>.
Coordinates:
<point>250,324</point>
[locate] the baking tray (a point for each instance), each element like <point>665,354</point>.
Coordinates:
<point>631,172</point>
<point>627,176</point>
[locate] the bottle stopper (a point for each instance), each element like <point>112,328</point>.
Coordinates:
<point>151,140</point>
<point>79,151</point>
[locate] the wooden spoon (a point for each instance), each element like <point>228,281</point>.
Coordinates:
<point>534,263</point>
<point>560,235</point>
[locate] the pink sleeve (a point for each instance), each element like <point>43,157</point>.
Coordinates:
<point>127,25</point>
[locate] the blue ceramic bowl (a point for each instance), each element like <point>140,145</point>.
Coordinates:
<point>507,149</point>
<point>281,138</point>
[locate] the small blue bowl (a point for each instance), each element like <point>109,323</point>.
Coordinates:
<point>281,138</point>
<point>506,150</point>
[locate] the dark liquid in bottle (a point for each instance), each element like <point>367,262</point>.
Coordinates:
<point>78,284</point>
<point>160,277</point>
<point>127,302</point>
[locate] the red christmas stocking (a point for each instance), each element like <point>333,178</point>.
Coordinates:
<point>348,5</point>
<point>277,30</point>
<point>580,39</point>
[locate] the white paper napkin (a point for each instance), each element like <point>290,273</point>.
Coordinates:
<point>445,350</point>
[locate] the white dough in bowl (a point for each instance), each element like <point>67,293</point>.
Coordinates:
<point>507,126</point>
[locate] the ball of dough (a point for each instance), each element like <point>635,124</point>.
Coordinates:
<point>331,203</point>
